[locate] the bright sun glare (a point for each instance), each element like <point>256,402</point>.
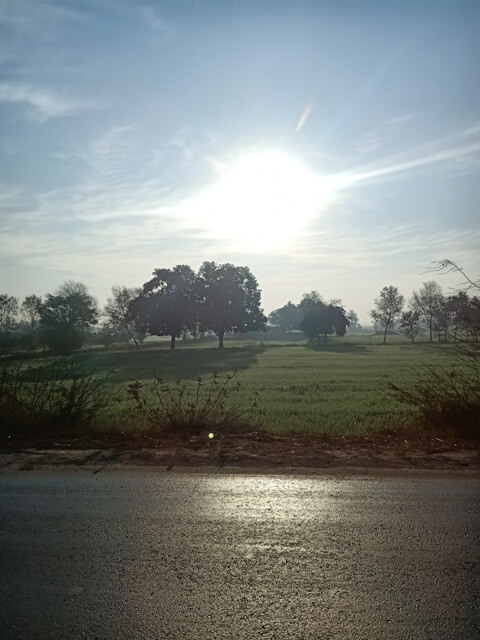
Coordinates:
<point>262,201</point>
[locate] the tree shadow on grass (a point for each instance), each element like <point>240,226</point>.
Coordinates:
<point>128,365</point>
<point>338,348</point>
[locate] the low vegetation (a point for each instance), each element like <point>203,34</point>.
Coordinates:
<point>342,388</point>
<point>49,396</point>
<point>188,407</point>
<point>332,384</point>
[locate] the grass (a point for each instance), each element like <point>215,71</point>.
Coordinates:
<point>340,388</point>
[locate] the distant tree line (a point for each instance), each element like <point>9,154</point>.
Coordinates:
<point>446,316</point>
<point>219,298</point>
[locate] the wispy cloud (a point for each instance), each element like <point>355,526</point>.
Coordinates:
<point>43,103</point>
<point>402,119</point>
<point>389,130</point>
<point>460,151</point>
<point>110,152</point>
<point>156,22</point>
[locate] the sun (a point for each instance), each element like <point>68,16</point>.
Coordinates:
<point>262,200</point>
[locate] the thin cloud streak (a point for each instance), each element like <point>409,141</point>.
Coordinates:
<point>424,156</point>
<point>42,103</point>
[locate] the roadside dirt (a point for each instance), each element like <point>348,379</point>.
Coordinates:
<point>255,450</point>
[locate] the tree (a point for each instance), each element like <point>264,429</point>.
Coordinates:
<point>66,316</point>
<point>428,300</point>
<point>310,301</point>
<point>8,312</point>
<point>8,315</point>
<point>166,306</point>
<point>410,323</point>
<point>321,319</point>
<point>228,300</point>
<point>287,317</point>
<point>448,397</point>
<point>388,307</point>
<point>353,317</point>
<point>119,314</point>
<point>30,313</point>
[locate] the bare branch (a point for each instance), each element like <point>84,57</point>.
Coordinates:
<point>448,266</point>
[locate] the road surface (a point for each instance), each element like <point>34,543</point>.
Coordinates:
<point>140,554</point>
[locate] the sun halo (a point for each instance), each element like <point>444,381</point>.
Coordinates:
<point>262,201</point>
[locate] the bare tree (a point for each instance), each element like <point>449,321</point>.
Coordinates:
<point>118,311</point>
<point>448,397</point>
<point>388,306</point>
<point>30,313</point>
<point>428,301</point>
<point>8,311</point>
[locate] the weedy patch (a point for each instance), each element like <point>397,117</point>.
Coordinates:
<point>49,397</point>
<point>190,407</point>
<point>447,399</point>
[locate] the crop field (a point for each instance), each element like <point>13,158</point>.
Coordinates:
<point>340,388</point>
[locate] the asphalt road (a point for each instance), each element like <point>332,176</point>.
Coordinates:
<point>156,555</point>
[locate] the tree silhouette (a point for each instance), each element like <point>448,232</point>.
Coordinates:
<point>228,300</point>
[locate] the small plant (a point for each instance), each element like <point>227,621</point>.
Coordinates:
<point>190,407</point>
<point>55,397</point>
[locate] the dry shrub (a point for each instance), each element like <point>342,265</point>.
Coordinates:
<point>190,407</point>
<point>54,397</point>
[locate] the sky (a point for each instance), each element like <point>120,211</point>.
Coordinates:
<point>329,146</point>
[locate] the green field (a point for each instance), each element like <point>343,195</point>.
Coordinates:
<point>341,388</point>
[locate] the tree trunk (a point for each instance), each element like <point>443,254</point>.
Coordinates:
<point>385,334</point>
<point>133,338</point>
<point>172,342</point>
<point>431,332</point>
<point>220,339</point>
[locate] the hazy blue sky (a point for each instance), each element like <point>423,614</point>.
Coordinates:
<point>326,145</point>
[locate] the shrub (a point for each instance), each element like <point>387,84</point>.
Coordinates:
<point>63,340</point>
<point>55,397</point>
<point>447,399</point>
<point>189,407</point>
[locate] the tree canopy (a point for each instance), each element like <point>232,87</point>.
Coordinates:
<point>118,312</point>
<point>428,301</point>
<point>228,300</point>
<point>321,319</point>
<point>287,317</point>
<point>8,311</point>
<point>388,306</point>
<point>167,304</point>
<point>66,315</point>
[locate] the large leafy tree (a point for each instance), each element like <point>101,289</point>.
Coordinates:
<point>288,317</point>
<point>66,316</point>
<point>228,300</point>
<point>388,306</point>
<point>321,319</point>
<point>166,306</point>
<point>118,312</point>
<point>429,302</point>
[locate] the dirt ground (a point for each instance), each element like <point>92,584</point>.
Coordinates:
<point>256,450</point>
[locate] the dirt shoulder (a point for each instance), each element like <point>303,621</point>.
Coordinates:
<point>256,451</point>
